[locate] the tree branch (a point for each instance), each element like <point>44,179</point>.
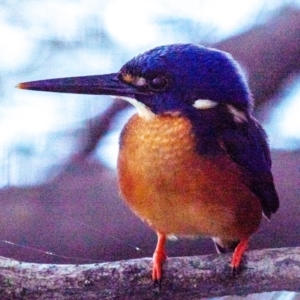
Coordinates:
<point>191,277</point>
<point>270,53</point>
<point>98,127</point>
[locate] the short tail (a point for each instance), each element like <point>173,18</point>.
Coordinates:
<point>223,246</point>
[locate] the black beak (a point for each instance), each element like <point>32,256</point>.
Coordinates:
<point>107,84</point>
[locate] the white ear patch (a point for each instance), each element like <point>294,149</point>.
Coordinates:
<point>143,111</point>
<point>204,104</point>
<point>238,116</point>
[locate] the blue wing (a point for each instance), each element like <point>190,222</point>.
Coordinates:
<point>247,146</point>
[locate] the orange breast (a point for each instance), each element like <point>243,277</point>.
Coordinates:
<point>175,190</point>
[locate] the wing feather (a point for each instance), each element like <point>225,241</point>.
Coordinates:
<point>247,146</point>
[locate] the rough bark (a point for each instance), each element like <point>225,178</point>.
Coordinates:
<point>189,277</point>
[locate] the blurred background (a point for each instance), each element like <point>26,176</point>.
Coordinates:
<point>58,187</point>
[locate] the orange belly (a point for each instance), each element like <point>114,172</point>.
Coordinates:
<point>175,190</point>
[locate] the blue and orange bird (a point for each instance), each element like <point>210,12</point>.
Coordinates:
<point>193,161</point>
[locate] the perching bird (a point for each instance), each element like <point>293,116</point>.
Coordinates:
<point>193,161</point>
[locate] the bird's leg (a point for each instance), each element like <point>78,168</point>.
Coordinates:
<point>238,254</point>
<point>159,256</point>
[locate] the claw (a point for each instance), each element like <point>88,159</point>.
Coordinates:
<point>157,285</point>
<point>234,271</point>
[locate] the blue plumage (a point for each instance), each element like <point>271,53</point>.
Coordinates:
<point>194,113</point>
<point>190,72</point>
<point>169,79</point>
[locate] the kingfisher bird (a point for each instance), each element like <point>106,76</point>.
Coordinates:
<point>193,161</point>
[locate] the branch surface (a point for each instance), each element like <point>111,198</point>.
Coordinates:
<point>189,277</point>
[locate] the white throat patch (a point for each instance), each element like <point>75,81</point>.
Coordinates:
<point>143,111</point>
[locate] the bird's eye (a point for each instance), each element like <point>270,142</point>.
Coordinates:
<point>158,83</point>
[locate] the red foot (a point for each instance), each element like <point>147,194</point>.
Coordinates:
<point>238,254</point>
<point>159,256</point>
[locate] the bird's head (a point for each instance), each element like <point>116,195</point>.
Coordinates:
<point>166,79</point>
